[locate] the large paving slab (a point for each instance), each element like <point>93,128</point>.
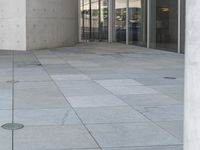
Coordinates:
<point>109,115</point>
<point>53,137</point>
<point>132,134</point>
<point>5,139</point>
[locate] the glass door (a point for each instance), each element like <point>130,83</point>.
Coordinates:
<point>95,13</point>
<point>137,22</point>
<point>94,20</point>
<point>103,20</point>
<point>120,20</point>
<point>164,24</point>
<point>85,20</point>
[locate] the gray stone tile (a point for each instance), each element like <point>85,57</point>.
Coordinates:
<point>160,81</point>
<point>5,139</point>
<point>5,117</point>
<point>53,137</point>
<point>172,89</point>
<point>148,148</point>
<point>162,113</point>
<point>95,101</point>
<point>51,60</point>
<point>106,76</point>
<point>46,116</point>
<point>149,100</point>
<point>84,63</point>
<point>118,82</point>
<point>179,97</point>
<point>76,84</point>
<point>59,69</point>
<point>86,91</point>
<point>132,134</point>
<point>109,115</point>
<point>70,77</point>
<point>38,95</point>
<point>128,90</point>
<point>96,70</point>
<point>129,70</point>
<point>174,127</point>
<point>5,75</point>
<point>5,96</point>
<point>31,74</point>
<point>141,75</point>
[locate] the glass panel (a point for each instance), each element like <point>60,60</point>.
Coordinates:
<point>164,24</point>
<point>85,19</point>
<point>120,20</point>
<point>103,26</point>
<point>137,22</point>
<point>94,20</point>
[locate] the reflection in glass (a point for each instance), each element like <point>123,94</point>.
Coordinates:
<point>137,22</point>
<point>164,24</point>
<point>94,20</point>
<point>103,27</point>
<point>85,19</point>
<point>120,20</point>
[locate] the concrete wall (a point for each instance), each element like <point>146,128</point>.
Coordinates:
<point>13,24</point>
<point>51,23</point>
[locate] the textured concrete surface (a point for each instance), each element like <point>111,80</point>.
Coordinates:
<point>38,24</point>
<point>95,96</point>
<point>13,24</point>
<point>52,23</point>
<point>192,77</point>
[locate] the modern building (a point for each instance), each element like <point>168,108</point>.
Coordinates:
<point>158,24</point>
<point>36,24</point>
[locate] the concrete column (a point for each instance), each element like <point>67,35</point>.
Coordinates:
<point>13,24</point>
<point>192,76</point>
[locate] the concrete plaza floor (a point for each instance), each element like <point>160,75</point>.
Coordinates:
<point>95,96</point>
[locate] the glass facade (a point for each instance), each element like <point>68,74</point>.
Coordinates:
<point>120,20</point>
<point>164,24</point>
<point>137,22</point>
<point>157,24</point>
<point>94,20</point>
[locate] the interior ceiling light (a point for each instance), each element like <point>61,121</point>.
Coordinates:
<point>164,9</point>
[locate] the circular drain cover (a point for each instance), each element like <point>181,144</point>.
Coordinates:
<point>10,81</point>
<point>172,78</point>
<point>12,126</point>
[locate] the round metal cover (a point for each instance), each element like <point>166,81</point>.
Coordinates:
<point>10,81</point>
<point>172,78</point>
<point>12,126</point>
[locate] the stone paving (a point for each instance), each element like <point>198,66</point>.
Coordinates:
<point>95,96</point>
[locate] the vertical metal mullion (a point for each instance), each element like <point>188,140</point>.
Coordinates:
<point>148,23</point>
<point>179,26</point>
<point>127,22</point>
<point>81,14</point>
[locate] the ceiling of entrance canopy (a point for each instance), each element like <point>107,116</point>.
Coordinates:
<point>132,4</point>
